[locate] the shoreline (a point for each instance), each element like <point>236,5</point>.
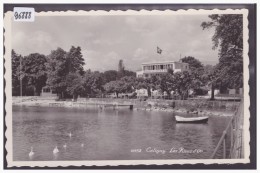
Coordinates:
<point>80,104</point>
<point>183,111</point>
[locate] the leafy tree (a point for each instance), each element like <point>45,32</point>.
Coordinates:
<point>113,87</point>
<point>92,83</point>
<point>129,73</point>
<point>110,75</point>
<point>57,71</point>
<point>34,69</point>
<point>64,67</point>
<point>194,64</point>
<point>228,37</point>
<point>197,71</point>
<point>184,82</point>
<point>15,73</point>
<point>124,85</point>
<point>74,84</point>
<point>166,83</point>
<point>147,83</point>
<point>74,60</point>
<point>127,84</point>
<point>170,71</point>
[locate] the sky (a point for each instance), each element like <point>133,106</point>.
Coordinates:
<point>104,40</point>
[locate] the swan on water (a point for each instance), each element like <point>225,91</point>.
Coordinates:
<point>70,134</point>
<point>31,152</point>
<point>56,150</point>
<point>65,145</point>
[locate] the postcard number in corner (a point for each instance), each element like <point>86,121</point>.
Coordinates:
<point>23,14</point>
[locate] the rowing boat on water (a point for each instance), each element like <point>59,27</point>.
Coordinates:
<point>180,119</point>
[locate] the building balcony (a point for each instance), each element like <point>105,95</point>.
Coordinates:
<point>156,71</point>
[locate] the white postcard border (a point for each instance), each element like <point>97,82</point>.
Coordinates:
<point>8,91</point>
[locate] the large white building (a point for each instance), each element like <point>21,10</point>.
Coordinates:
<point>155,68</point>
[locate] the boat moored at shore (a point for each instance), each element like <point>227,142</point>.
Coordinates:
<point>180,119</point>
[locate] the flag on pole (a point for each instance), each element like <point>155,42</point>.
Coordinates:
<point>159,51</point>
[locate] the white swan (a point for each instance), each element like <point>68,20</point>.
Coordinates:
<point>65,145</point>
<point>56,150</point>
<point>70,135</point>
<point>31,152</point>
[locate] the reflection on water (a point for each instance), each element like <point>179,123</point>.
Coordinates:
<point>109,134</point>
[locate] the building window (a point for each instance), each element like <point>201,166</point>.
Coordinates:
<point>46,90</point>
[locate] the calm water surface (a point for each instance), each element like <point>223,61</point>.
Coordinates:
<point>109,134</point>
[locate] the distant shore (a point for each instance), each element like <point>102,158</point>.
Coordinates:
<point>40,102</point>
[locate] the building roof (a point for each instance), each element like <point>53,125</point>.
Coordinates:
<point>165,62</point>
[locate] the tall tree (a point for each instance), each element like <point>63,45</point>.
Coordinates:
<point>113,87</point>
<point>147,83</point>
<point>93,83</point>
<point>15,73</point>
<point>57,71</point>
<point>228,37</point>
<point>121,67</point>
<point>196,69</point>
<point>183,82</point>
<point>110,75</point>
<point>166,83</point>
<point>74,84</point>
<point>35,71</point>
<point>128,84</point>
<point>75,60</point>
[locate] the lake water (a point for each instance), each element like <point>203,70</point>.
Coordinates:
<point>110,134</point>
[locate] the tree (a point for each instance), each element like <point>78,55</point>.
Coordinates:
<point>74,60</point>
<point>74,85</point>
<point>113,87</point>
<point>64,67</point>
<point>15,73</point>
<point>129,73</point>
<point>183,82</point>
<point>166,83</point>
<point>228,37</point>
<point>121,69</point>
<point>124,85</point>
<point>57,71</point>
<point>34,69</point>
<point>121,66</point>
<point>196,71</point>
<point>93,83</point>
<point>127,84</point>
<point>147,83</point>
<point>194,64</point>
<point>170,71</point>
<point>110,75</point>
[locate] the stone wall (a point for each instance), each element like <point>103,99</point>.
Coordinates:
<point>176,104</point>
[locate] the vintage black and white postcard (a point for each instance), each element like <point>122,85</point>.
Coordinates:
<point>109,88</point>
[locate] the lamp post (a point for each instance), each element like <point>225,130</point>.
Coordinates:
<point>21,81</point>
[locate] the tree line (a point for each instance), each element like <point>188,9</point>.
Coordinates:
<point>63,71</point>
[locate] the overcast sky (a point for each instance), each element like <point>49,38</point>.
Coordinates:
<point>105,40</point>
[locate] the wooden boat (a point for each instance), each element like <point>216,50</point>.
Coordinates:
<point>180,119</point>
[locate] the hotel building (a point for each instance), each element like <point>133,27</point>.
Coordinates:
<point>156,68</point>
